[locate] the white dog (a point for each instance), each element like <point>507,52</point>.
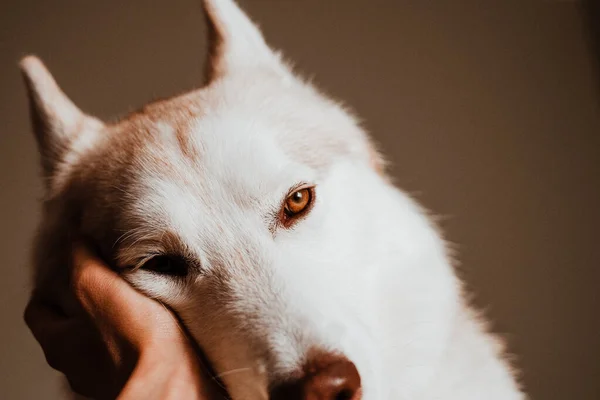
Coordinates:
<point>257,209</point>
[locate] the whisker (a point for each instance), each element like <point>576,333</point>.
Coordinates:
<point>233,371</point>
<point>123,237</point>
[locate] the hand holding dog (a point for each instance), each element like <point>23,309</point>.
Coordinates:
<point>116,342</point>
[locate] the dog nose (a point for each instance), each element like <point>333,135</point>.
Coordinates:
<point>336,381</point>
<point>325,378</point>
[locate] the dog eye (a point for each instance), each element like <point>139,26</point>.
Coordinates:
<point>167,265</point>
<point>296,205</point>
<point>297,202</point>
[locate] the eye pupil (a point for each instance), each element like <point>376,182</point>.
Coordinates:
<point>167,265</point>
<point>298,196</point>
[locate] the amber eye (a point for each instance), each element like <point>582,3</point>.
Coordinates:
<point>167,265</point>
<point>297,203</point>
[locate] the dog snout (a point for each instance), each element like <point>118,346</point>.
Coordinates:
<point>325,377</point>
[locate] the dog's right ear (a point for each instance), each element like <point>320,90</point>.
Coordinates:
<point>57,122</point>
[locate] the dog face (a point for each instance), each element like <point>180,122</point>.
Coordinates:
<point>253,208</point>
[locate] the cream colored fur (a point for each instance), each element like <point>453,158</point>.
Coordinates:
<point>365,273</point>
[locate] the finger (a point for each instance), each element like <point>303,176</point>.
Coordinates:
<point>57,334</point>
<point>98,288</point>
<point>54,290</point>
<point>107,297</point>
<point>44,320</point>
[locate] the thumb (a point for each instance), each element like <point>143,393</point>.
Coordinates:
<point>111,301</point>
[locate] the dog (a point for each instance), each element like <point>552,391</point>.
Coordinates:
<point>260,212</point>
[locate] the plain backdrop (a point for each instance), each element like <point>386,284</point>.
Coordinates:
<point>488,113</point>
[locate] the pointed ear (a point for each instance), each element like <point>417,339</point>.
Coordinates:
<point>235,42</point>
<point>56,120</point>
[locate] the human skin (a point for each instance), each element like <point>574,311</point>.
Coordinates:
<point>110,341</point>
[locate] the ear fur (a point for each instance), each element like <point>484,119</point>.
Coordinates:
<point>235,42</point>
<point>56,120</point>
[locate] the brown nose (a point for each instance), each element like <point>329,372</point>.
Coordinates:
<point>326,377</point>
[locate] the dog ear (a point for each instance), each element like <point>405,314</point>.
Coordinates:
<point>56,121</point>
<point>235,42</point>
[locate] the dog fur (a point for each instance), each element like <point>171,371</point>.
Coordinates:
<point>365,274</point>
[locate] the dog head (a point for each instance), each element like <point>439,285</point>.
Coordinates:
<point>254,207</point>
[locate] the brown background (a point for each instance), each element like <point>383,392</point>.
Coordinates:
<point>489,113</point>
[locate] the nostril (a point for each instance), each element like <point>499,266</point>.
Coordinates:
<point>345,395</point>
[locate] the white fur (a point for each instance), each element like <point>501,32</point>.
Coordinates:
<point>365,274</point>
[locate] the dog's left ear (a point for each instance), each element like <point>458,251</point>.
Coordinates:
<point>235,42</point>
<point>57,122</point>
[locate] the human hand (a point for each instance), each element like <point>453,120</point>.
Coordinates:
<point>116,342</point>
